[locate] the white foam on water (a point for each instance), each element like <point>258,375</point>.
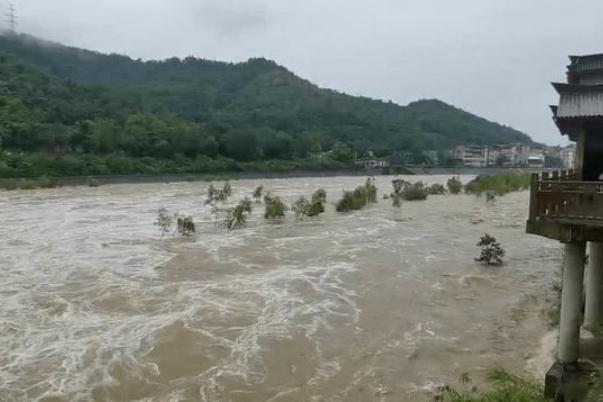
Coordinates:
<point>89,290</point>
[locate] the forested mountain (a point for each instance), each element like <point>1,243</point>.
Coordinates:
<point>70,111</point>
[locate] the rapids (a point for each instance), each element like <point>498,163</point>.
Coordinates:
<point>381,304</point>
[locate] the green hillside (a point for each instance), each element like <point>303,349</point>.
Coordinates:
<point>68,111</point>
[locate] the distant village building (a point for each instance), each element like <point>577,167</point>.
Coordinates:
<point>514,155</point>
<point>568,156</point>
<point>371,162</point>
<point>471,156</point>
<point>536,160</point>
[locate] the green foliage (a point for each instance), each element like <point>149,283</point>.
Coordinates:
<point>29,184</point>
<point>454,185</point>
<point>185,225</point>
<point>505,388</point>
<point>499,183</point>
<point>164,221</point>
<point>436,189</point>
<point>415,192</point>
<point>72,112</point>
<point>275,207</point>
<point>491,252</point>
<point>237,217</point>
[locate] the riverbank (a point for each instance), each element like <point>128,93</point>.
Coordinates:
<point>27,183</point>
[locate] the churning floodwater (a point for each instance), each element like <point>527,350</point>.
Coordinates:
<point>381,304</point>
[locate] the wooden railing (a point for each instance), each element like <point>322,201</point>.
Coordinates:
<point>559,196</point>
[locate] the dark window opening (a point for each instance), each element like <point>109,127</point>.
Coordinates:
<point>593,157</point>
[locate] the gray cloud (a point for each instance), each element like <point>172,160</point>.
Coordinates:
<point>489,57</point>
<point>231,19</point>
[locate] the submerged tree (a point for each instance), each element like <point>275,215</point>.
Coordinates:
<point>371,190</point>
<point>227,190</point>
<point>186,225</point>
<point>257,193</point>
<point>164,221</point>
<point>237,217</point>
<point>396,196</point>
<point>491,251</point>
<point>212,193</point>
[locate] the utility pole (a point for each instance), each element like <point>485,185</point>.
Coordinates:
<point>11,18</point>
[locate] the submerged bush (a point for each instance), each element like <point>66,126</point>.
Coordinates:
<point>302,207</point>
<point>454,185</point>
<point>415,192</point>
<point>185,225</point>
<point>275,207</point>
<point>491,251</point>
<point>319,195</point>
<point>359,198</point>
<point>164,221</point>
<point>499,183</point>
<point>436,189</point>
<point>352,200</point>
<point>237,217</point>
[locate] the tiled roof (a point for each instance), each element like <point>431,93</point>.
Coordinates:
<point>579,101</point>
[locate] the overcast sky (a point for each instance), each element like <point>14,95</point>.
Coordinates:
<point>494,58</point>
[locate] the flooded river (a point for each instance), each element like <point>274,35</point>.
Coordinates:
<point>381,304</point>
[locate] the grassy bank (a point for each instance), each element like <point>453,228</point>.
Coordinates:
<point>499,183</point>
<point>504,387</point>
<point>34,165</point>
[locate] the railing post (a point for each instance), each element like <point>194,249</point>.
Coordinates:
<point>533,196</point>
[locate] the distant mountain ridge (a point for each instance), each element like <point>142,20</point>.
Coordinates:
<point>251,111</point>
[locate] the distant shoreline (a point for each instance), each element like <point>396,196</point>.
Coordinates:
<point>70,181</point>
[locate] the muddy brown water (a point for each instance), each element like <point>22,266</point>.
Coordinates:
<point>382,304</point>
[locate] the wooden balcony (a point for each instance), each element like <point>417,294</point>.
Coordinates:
<point>564,208</point>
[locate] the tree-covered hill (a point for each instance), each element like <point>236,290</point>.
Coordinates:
<point>68,111</point>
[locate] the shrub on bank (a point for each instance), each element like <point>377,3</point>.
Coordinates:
<point>29,184</point>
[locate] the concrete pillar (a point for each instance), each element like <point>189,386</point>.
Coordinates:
<point>568,349</point>
<point>594,282</point>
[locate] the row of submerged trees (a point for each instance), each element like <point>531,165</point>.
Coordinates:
<point>274,208</point>
<point>237,216</point>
